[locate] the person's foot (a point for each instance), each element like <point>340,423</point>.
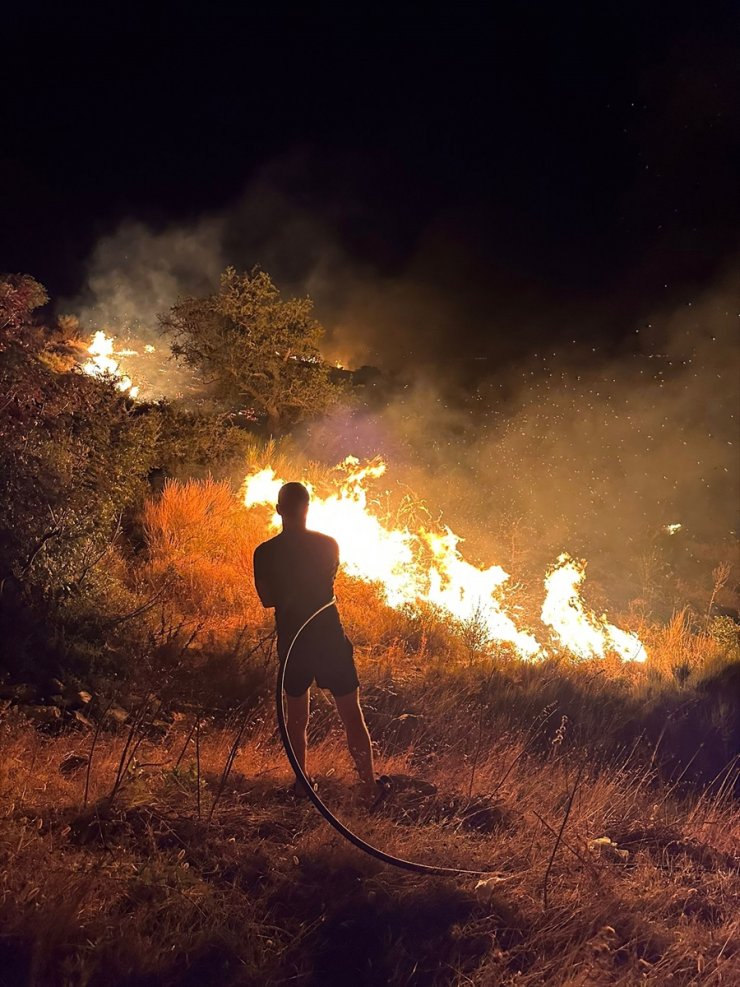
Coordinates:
<point>299,789</point>
<point>378,792</point>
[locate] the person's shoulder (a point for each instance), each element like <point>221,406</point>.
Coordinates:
<point>266,547</point>
<point>326,541</point>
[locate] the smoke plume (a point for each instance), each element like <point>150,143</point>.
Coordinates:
<point>527,447</point>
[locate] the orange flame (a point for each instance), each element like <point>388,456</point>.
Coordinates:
<point>420,565</point>
<point>103,362</point>
<point>576,628</point>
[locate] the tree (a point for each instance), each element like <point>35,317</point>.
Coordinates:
<point>257,351</point>
<point>77,458</point>
<point>75,455</point>
<point>20,295</point>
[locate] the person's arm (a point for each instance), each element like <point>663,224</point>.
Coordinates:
<point>261,581</point>
<point>334,559</point>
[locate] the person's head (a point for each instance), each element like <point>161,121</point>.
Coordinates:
<point>292,505</point>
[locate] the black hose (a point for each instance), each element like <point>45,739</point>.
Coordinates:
<point>386,858</point>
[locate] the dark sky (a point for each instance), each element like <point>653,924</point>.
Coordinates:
<point>578,159</point>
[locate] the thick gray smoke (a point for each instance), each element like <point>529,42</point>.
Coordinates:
<point>137,272</point>
<point>598,454</point>
<point>134,274</point>
<point>401,322</point>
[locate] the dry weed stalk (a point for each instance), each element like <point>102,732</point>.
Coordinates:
<point>197,763</point>
<point>93,744</point>
<point>136,734</point>
<point>227,767</point>
<point>721,574</point>
<point>559,838</point>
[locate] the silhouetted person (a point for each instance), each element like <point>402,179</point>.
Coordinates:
<point>294,573</point>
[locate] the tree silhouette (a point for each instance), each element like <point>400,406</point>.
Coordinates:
<point>257,351</point>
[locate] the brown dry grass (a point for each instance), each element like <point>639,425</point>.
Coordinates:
<point>200,545</point>
<point>202,540</point>
<point>148,889</point>
<point>145,891</point>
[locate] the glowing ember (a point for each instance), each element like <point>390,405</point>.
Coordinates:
<point>103,362</point>
<point>577,629</point>
<point>414,566</point>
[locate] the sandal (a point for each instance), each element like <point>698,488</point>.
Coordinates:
<point>383,788</point>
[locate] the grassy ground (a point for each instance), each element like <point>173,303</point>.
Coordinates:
<point>599,798</point>
<point>151,888</point>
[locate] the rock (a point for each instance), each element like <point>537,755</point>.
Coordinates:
<point>400,732</point>
<point>607,848</point>
<point>19,692</point>
<point>157,730</point>
<point>84,720</point>
<point>72,763</point>
<point>118,714</point>
<point>42,714</point>
<point>483,815</point>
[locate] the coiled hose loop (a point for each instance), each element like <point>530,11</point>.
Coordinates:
<point>372,851</point>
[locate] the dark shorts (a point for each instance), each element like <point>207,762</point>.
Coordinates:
<point>324,655</point>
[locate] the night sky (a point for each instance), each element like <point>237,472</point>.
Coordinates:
<point>581,161</point>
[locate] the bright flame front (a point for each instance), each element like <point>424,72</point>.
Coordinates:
<point>576,628</point>
<point>420,565</point>
<point>103,362</point>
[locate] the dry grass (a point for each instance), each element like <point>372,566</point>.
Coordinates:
<point>176,882</point>
<point>143,890</point>
<point>200,546</point>
<point>201,542</point>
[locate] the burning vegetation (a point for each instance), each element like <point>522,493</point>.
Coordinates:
<point>423,565</point>
<point>590,762</point>
<point>104,361</point>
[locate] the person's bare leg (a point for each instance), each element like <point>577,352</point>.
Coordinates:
<point>358,738</point>
<point>296,709</point>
